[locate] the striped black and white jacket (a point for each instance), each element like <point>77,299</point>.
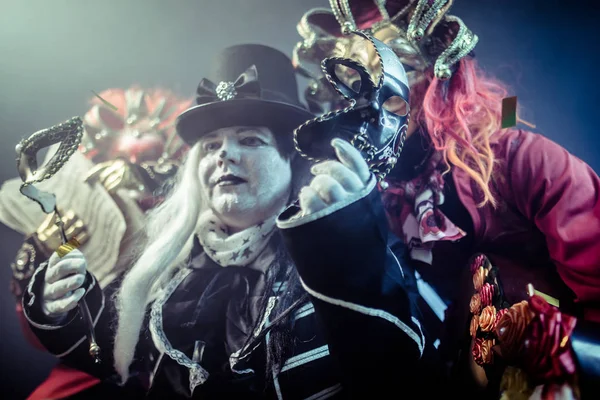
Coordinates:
<point>354,333</point>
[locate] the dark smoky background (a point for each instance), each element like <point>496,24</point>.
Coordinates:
<point>53,53</point>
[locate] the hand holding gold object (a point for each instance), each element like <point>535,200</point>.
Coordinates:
<point>116,174</point>
<point>67,136</point>
<point>49,235</point>
<point>62,251</point>
<point>65,248</point>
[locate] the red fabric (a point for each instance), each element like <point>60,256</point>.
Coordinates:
<point>547,356</point>
<point>555,192</point>
<point>413,206</point>
<point>560,194</point>
<point>548,213</point>
<point>63,382</point>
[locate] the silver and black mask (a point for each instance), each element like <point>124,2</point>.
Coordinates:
<point>376,119</point>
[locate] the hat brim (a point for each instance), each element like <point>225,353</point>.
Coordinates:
<point>281,118</point>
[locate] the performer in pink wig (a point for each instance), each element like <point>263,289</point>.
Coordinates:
<point>484,209</point>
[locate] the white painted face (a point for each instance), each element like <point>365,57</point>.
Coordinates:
<point>243,177</point>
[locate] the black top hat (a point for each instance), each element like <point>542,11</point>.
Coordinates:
<point>249,85</point>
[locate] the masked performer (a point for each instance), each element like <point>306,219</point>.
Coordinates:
<point>126,157</point>
<point>484,211</point>
<point>227,299</point>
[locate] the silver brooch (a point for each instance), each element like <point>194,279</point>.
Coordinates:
<point>226,91</point>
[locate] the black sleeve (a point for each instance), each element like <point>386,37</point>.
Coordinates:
<point>29,257</point>
<point>67,338</point>
<point>359,292</point>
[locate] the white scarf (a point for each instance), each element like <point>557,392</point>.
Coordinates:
<point>239,249</point>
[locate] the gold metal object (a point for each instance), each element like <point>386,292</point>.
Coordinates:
<point>49,235</point>
<point>115,175</point>
<point>68,247</point>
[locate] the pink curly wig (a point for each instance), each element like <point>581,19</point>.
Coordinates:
<point>461,116</point>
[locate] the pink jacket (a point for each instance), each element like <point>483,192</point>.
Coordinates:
<point>548,213</point>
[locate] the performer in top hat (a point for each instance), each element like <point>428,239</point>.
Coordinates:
<point>126,157</point>
<point>465,185</point>
<point>229,300</point>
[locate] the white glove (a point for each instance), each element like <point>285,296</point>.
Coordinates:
<point>335,181</point>
<point>62,283</point>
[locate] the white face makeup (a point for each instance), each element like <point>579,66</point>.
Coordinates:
<point>243,177</point>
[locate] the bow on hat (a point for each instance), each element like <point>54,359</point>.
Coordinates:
<point>245,86</point>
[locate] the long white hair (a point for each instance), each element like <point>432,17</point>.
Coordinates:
<point>170,232</point>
